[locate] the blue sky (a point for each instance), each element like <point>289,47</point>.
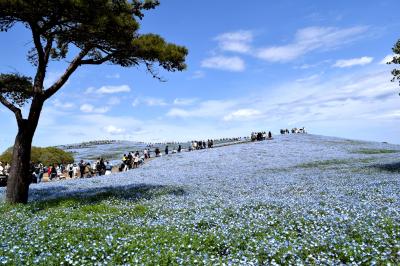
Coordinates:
<point>255,65</point>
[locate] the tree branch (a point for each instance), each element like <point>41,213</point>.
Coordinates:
<point>96,62</point>
<point>150,69</point>
<point>71,68</point>
<point>47,49</point>
<point>41,68</point>
<point>12,108</point>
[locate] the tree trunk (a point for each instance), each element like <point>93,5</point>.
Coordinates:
<point>20,176</point>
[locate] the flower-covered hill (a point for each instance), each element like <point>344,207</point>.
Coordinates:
<point>296,199</point>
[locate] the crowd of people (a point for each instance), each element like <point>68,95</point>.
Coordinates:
<point>294,131</point>
<point>72,170</point>
<point>258,136</point>
<point>130,160</point>
<point>86,169</point>
<point>201,144</point>
<point>133,160</point>
<point>4,168</point>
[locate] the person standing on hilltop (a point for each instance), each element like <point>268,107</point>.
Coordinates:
<point>269,135</point>
<point>166,150</point>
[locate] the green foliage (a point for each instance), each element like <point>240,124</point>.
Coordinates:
<point>319,164</point>
<point>16,88</point>
<point>108,32</point>
<point>375,151</point>
<point>47,156</point>
<point>396,60</point>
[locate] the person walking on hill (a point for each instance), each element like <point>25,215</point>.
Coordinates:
<point>53,172</point>
<point>70,169</point>
<point>100,167</point>
<point>75,169</point>
<point>166,150</point>
<point>108,168</point>
<point>157,151</point>
<point>129,160</point>
<point>49,172</point>
<point>82,167</point>
<point>136,160</point>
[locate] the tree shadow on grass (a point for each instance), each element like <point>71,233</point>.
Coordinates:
<point>389,167</point>
<point>57,197</point>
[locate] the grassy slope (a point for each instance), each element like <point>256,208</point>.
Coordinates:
<point>297,199</point>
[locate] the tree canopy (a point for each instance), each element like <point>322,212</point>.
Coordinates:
<point>104,31</point>
<point>47,156</point>
<point>396,60</point>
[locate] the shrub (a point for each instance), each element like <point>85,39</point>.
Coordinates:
<point>47,156</point>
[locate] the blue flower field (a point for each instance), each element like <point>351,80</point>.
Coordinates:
<point>295,200</point>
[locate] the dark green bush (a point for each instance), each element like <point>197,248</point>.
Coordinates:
<point>47,156</point>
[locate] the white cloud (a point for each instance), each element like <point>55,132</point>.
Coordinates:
<point>238,41</point>
<point>349,105</point>
<point>114,130</point>
<point>108,89</point>
<point>154,102</point>
<point>310,39</point>
<point>234,63</point>
<point>390,115</point>
<point>184,101</point>
<point>365,60</point>
<point>207,109</point>
<point>176,112</point>
<point>63,105</point>
<point>113,89</point>
<point>88,108</point>
<point>242,114</point>
<point>334,98</point>
<point>149,101</point>
<point>387,59</point>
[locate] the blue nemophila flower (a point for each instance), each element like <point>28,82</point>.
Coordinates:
<point>297,199</point>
